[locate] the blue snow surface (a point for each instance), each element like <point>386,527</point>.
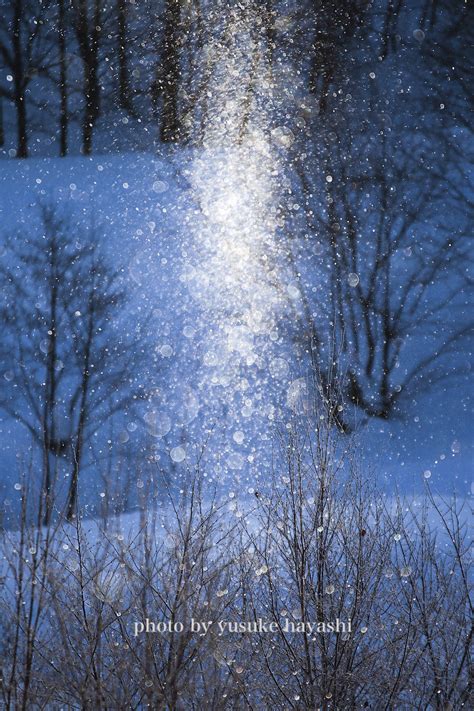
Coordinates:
<point>143,206</point>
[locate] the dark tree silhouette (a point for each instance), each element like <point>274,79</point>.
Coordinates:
<point>70,366</point>
<point>388,206</point>
<point>169,72</point>
<point>392,283</point>
<point>123,51</point>
<point>87,22</point>
<point>25,51</point>
<point>63,79</point>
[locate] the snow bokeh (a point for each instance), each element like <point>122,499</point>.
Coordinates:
<point>235,273</point>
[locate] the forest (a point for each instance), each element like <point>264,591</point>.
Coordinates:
<point>235,363</point>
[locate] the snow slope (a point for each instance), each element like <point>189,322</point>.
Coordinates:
<point>138,201</point>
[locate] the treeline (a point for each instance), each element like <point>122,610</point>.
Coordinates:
<point>69,63</point>
<point>74,61</point>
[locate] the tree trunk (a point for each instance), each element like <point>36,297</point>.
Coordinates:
<point>64,116</point>
<point>88,125</point>
<point>2,131</point>
<point>124,83</point>
<point>49,425</point>
<point>88,34</point>
<point>22,138</point>
<point>78,448</point>
<point>170,73</point>
<point>92,107</point>
<point>19,82</point>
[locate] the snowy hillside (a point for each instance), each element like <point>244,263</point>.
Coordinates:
<point>142,203</point>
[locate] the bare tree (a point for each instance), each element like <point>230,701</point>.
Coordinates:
<point>28,570</point>
<point>325,547</point>
<point>102,599</point>
<point>169,72</point>
<point>396,286</point>
<point>88,18</point>
<point>447,32</point>
<point>386,189</point>
<point>334,23</point>
<point>70,365</point>
<point>25,50</point>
